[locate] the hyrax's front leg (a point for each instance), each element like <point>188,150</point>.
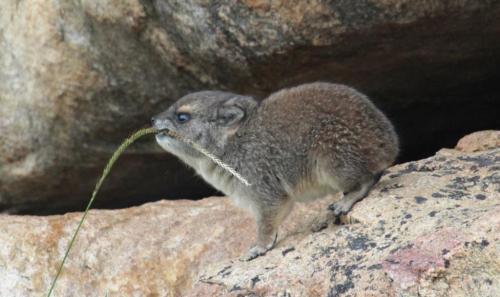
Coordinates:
<point>268,217</point>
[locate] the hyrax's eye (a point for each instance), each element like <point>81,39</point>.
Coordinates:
<point>182,117</point>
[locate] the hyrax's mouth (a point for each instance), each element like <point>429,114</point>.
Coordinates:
<point>163,132</point>
<point>167,138</point>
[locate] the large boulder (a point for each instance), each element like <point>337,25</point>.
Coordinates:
<point>76,77</point>
<point>428,228</point>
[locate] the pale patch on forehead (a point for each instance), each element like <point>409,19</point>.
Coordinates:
<point>186,108</point>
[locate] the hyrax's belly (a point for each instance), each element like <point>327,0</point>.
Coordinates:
<point>317,184</point>
<point>313,193</point>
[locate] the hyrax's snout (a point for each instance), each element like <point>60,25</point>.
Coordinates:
<point>161,122</point>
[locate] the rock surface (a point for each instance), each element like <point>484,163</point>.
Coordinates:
<point>77,76</point>
<point>428,228</point>
<point>157,249</point>
<point>479,141</point>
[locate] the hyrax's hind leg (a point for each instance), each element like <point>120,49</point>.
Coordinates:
<point>269,216</point>
<point>353,192</point>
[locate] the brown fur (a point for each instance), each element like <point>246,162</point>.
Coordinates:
<point>298,144</point>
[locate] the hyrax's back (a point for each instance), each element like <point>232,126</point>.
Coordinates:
<point>343,133</point>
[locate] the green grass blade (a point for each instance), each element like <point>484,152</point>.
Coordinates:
<point>105,173</point>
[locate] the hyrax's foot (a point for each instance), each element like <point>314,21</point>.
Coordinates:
<point>253,253</point>
<point>322,221</point>
<point>258,250</point>
<point>341,207</point>
<point>319,225</point>
<point>344,205</point>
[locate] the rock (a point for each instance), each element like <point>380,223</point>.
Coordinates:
<point>156,249</point>
<point>479,141</point>
<point>428,228</point>
<point>140,251</point>
<point>85,75</point>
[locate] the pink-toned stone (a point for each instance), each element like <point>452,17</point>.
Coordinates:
<point>479,141</point>
<point>157,249</point>
<point>406,266</point>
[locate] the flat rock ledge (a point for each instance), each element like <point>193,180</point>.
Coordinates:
<point>428,228</point>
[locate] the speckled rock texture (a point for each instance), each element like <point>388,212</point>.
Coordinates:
<point>479,141</point>
<point>76,77</point>
<point>428,228</point>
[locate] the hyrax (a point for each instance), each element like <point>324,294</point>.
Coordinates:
<point>298,144</point>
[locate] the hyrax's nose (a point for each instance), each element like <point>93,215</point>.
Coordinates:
<point>154,121</point>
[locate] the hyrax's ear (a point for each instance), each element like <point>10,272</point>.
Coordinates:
<point>235,109</point>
